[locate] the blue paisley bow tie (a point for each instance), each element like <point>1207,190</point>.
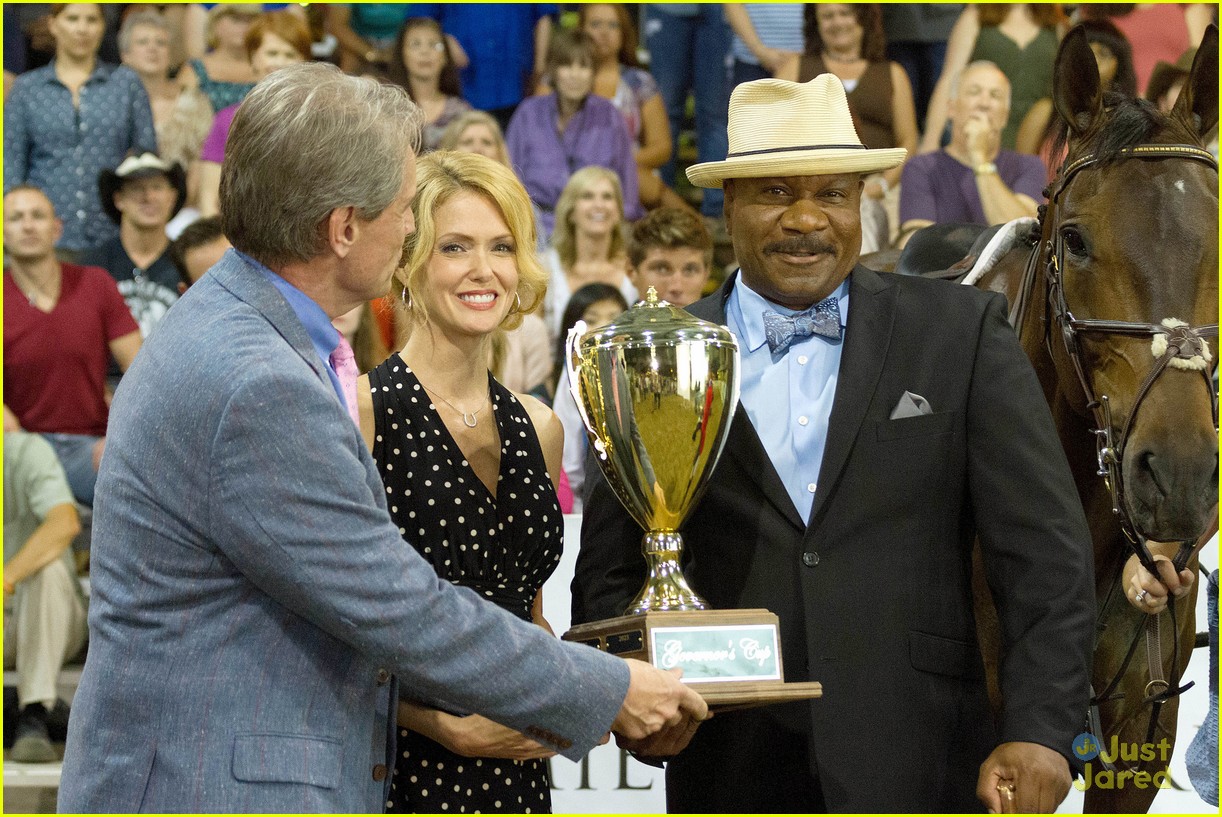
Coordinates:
<point>821,319</point>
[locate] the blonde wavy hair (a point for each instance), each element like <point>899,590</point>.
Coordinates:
<point>441,175</point>
<point>457,127</point>
<point>564,234</point>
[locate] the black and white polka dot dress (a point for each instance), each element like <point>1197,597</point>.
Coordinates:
<point>503,548</point>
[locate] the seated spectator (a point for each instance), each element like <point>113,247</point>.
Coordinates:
<point>44,608</point>
<point>671,251</point>
<point>224,74</point>
<point>972,180</point>
<point>1113,57</point>
<point>1020,39</point>
<point>274,40</point>
<point>66,122</point>
<point>588,245</point>
<point>1158,32</point>
<point>499,48</point>
<point>1164,89</point>
<point>62,324</point>
<point>619,78</point>
<point>1167,80</point>
<point>597,305</point>
<point>365,33</point>
<point>846,39</point>
<point>181,117</point>
<point>421,64</point>
<point>197,249</point>
<point>141,195</point>
<point>192,23</point>
<point>476,132</point>
<point>552,137</point>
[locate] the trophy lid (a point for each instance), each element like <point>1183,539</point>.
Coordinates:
<point>653,320</point>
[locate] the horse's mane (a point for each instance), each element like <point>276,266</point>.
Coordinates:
<point>1126,123</point>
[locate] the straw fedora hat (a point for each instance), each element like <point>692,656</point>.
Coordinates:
<point>780,128</point>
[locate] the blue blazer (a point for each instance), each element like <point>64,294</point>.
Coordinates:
<point>251,596</point>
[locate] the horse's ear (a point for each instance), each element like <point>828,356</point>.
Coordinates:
<point>1077,92</point>
<point>1198,100</point>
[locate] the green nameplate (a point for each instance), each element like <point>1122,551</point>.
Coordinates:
<point>731,652</point>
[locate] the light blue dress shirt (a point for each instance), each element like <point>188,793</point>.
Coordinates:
<point>788,396</point>
<point>323,335</point>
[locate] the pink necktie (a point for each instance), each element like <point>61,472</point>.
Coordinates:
<point>344,363</point>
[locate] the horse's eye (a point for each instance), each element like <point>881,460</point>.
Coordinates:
<point>1074,242</point>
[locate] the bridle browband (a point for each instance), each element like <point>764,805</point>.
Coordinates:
<point>1183,342</point>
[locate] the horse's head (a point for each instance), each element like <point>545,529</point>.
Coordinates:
<point>1138,243</point>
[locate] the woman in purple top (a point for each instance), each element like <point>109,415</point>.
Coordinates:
<point>274,40</point>
<point>619,78</point>
<point>550,137</point>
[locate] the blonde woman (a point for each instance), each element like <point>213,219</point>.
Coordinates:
<point>521,359</point>
<point>469,466</point>
<point>588,245</point>
<point>476,132</point>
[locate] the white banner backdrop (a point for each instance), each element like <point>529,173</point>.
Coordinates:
<point>607,781</point>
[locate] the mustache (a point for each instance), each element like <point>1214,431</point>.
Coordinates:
<point>799,245</point>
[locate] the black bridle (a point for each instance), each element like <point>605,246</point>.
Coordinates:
<point>1182,342</point>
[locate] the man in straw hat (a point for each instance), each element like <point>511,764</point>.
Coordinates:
<point>885,423</point>
<point>251,596</point>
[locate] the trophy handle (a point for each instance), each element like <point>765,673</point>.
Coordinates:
<point>573,364</point>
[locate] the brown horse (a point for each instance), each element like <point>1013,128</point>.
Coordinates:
<point>1112,304</point>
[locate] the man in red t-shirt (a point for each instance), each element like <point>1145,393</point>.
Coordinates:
<point>62,323</point>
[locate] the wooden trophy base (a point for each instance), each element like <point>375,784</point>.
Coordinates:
<point>731,657</point>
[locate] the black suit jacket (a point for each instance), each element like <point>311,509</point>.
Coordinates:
<point>874,590</point>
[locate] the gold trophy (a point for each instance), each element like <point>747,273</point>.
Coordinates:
<point>657,389</point>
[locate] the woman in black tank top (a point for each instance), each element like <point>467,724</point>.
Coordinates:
<point>467,464</point>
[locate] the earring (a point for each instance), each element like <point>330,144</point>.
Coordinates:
<point>517,304</point>
<point>406,298</point>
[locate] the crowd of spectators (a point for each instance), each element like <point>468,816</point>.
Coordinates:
<point>116,117</point>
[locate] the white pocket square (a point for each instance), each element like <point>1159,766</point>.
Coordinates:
<point>911,405</point>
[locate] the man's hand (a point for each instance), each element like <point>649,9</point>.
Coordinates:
<point>667,743</point>
<point>1023,778</point>
<point>983,141</point>
<point>1149,594</point>
<point>659,714</point>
